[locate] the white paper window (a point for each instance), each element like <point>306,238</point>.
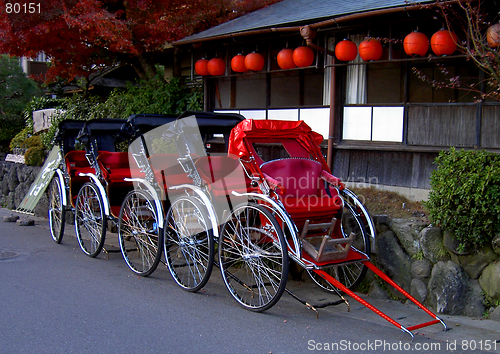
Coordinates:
<point>373,123</point>
<point>357,123</point>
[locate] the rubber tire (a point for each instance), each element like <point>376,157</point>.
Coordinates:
<point>96,217</point>
<point>57,211</point>
<point>233,270</point>
<point>179,255</point>
<point>153,236</point>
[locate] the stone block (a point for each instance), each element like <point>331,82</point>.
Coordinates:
<point>421,269</point>
<point>490,280</point>
<point>447,288</point>
<point>418,290</point>
<point>407,233</point>
<point>431,242</point>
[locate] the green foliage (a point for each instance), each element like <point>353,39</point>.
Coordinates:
<point>153,97</point>
<point>34,156</point>
<point>20,137</point>
<point>32,141</point>
<point>15,91</point>
<point>465,194</point>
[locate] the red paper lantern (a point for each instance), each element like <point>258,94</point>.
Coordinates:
<point>493,35</point>
<point>303,56</point>
<point>216,67</point>
<point>285,59</point>
<point>346,50</point>
<point>200,67</point>
<point>444,42</point>
<point>254,61</point>
<point>238,64</point>
<point>370,49</point>
<point>416,43</point>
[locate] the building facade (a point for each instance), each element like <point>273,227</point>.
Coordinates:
<point>382,122</point>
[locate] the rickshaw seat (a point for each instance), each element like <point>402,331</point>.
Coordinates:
<point>304,196</point>
<point>223,174</point>
<point>77,163</point>
<point>167,170</point>
<point>116,166</point>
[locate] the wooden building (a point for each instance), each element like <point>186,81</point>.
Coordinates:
<point>382,123</point>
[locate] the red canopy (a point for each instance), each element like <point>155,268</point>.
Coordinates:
<point>273,130</point>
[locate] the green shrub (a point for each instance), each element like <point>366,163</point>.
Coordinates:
<point>465,195</point>
<point>32,141</point>
<point>34,156</point>
<point>20,137</point>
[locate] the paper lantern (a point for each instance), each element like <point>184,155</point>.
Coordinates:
<point>303,56</point>
<point>285,59</point>
<point>346,50</point>
<point>444,42</point>
<point>416,44</point>
<point>216,67</point>
<point>200,67</point>
<point>493,35</point>
<point>370,49</point>
<point>254,61</point>
<point>238,64</point>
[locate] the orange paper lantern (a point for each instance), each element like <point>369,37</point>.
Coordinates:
<point>444,42</point>
<point>346,50</point>
<point>285,59</point>
<point>238,64</point>
<point>493,35</point>
<point>370,49</point>
<point>216,67</point>
<point>200,67</point>
<point>254,61</point>
<point>303,56</point>
<point>416,43</point>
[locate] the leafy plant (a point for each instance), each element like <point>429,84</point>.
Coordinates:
<point>34,156</point>
<point>464,195</point>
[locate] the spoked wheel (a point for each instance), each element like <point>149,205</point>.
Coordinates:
<point>253,257</point>
<point>360,210</point>
<point>189,243</point>
<point>90,220</point>
<point>350,275</point>
<point>138,232</point>
<point>57,212</point>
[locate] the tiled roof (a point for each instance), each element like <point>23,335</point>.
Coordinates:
<point>296,12</point>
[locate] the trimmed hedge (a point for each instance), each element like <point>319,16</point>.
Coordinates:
<point>465,195</point>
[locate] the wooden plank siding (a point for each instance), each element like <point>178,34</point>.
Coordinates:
<point>391,168</point>
<point>442,125</point>
<point>490,127</point>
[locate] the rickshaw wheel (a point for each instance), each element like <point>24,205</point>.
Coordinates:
<point>57,212</point>
<point>352,274</point>
<point>253,257</point>
<point>189,243</point>
<point>138,232</point>
<point>90,220</point>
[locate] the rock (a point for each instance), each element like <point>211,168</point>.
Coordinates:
<point>393,260</point>
<point>495,315</point>
<point>26,222</point>
<point>431,242</point>
<point>452,244</point>
<point>421,269</point>
<point>475,300</point>
<point>377,292</point>
<point>11,218</point>
<point>475,262</point>
<point>490,280</point>
<point>12,180</point>
<point>418,290</point>
<point>381,223</point>
<point>448,288</point>
<point>495,244</point>
<point>407,233</point>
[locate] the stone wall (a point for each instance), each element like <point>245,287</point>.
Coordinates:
<point>16,180</point>
<point>428,264</point>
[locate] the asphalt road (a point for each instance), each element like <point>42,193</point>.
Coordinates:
<point>54,299</point>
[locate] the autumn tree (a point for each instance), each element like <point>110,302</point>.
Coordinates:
<point>85,37</point>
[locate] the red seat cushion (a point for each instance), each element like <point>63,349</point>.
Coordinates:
<point>77,163</point>
<point>223,175</point>
<point>116,166</point>
<point>167,170</point>
<point>304,197</point>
